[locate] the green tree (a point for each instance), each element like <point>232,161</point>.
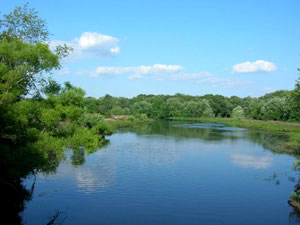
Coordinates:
<point>238,113</point>
<point>117,110</point>
<point>142,107</point>
<point>206,109</point>
<point>174,106</point>
<point>106,104</point>
<point>91,104</point>
<point>274,109</point>
<point>294,100</point>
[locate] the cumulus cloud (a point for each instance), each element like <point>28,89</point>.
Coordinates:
<point>209,78</point>
<point>166,72</point>
<point>139,70</point>
<point>251,67</point>
<point>90,44</point>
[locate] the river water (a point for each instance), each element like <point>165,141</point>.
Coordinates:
<point>170,173</point>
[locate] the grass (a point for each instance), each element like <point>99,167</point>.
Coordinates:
<point>130,121</point>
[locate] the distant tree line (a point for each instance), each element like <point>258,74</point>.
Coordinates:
<point>279,105</point>
<point>40,119</point>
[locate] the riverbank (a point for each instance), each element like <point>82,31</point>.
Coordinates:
<point>128,121</point>
<point>290,130</point>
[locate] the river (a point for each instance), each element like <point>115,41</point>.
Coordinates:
<point>170,173</point>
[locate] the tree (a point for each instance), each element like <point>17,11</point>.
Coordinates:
<point>220,105</point>
<point>174,106</point>
<point>274,109</point>
<point>24,59</point>
<point>142,107</point>
<point>106,104</point>
<point>294,100</point>
<point>21,66</point>
<point>238,113</point>
<point>52,88</point>
<point>24,24</point>
<point>35,131</point>
<point>117,110</point>
<point>91,104</point>
<point>206,109</point>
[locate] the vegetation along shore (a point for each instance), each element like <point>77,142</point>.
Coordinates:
<point>41,119</point>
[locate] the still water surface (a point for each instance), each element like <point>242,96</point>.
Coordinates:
<point>170,173</point>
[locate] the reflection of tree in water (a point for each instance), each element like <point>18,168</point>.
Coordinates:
<point>18,163</point>
<point>15,165</point>
<point>166,128</point>
<point>274,142</point>
<point>214,132</point>
<point>77,157</point>
<point>270,141</point>
<point>294,216</point>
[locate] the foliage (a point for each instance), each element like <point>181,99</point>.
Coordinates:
<point>238,113</point>
<point>295,101</point>
<point>24,24</point>
<point>90,120</point>
<point>39,119</point>
<point>274,109</point>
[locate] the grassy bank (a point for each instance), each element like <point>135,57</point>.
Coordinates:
<point>291,130</point>
<point>129,121</point>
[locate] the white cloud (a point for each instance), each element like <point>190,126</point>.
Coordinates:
<point>139,71</point>
<point>251,67</point>
<point>94,39</point>
<point>166,72</point>
<point>208,78</point>
<point>90,44</point>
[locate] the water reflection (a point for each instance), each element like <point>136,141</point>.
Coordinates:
<point>171,173</point>
<point>211,126</point>
<point>252,161</point>
<point>98,176</point>
<point>209,132</point>
<point>78,157</point>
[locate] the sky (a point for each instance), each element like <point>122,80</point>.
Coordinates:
<point>125,48</point>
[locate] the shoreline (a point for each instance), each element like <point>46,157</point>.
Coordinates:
<point>290,130</point>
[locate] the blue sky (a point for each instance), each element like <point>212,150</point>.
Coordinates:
<point>126,48</point>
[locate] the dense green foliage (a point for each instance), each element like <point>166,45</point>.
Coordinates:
<point>39,119</point>
<point>238,113</point>
<point>279,105</point>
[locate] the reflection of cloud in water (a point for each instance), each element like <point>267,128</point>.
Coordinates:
<point>98,175</point>
<point>252,161</point>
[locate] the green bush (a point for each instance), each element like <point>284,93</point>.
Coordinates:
<point>238,113</point>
